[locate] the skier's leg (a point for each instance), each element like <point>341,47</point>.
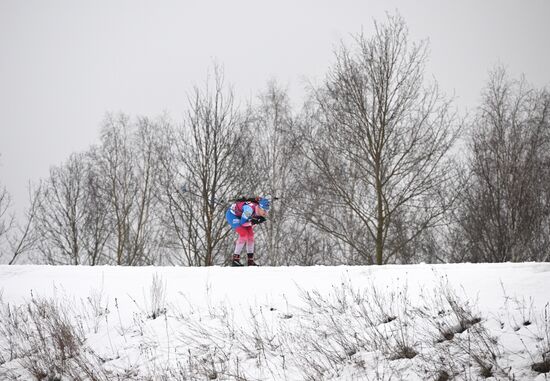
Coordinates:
<point>239,244</point>
<point>250,241</point>
<point>250,247</point>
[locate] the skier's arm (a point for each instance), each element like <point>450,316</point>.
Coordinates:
<point>247,213</point>
<point>257,220</point>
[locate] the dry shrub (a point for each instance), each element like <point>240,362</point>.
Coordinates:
<point>46,343</point>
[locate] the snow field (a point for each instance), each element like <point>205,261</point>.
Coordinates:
<point>413,322</point>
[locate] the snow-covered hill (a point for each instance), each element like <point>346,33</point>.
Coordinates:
<point>418,322</point>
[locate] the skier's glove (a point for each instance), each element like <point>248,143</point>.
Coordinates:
<point>257,220</point>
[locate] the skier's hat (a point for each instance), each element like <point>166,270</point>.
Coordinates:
<point>264,203</point>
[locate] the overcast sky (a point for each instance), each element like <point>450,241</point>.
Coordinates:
<point>65,63</point>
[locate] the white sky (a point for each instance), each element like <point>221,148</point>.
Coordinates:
<point>65,63</point>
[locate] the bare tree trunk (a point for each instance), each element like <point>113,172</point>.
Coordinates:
<point>380,223</point>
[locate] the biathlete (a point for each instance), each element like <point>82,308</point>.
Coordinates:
<point>242,216</point>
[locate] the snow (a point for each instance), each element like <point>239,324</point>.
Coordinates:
<point>291,323</point>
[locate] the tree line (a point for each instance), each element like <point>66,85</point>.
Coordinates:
<point>375,167</point>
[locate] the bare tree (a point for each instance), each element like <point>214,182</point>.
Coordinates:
<point>22,238</point>
<point>60,213</point>
<point>177,204</point>
<point>274,157</point>
<point>505,210</point>
<point>6,220</point>
<point>71,214</point>
<point>203,168</point>
<point>147,235</point>
<point>115,161</point>
<point>128,163</point>
<point>96,230</point>
<point>100,207</point>
<point>379,145</point>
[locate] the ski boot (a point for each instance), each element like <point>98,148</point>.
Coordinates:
<point>251,260</point>
<point>236,261</point>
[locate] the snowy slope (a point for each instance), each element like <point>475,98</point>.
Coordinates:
<point>417,322</point>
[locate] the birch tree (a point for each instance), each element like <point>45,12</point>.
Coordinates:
<point>379,144</point>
